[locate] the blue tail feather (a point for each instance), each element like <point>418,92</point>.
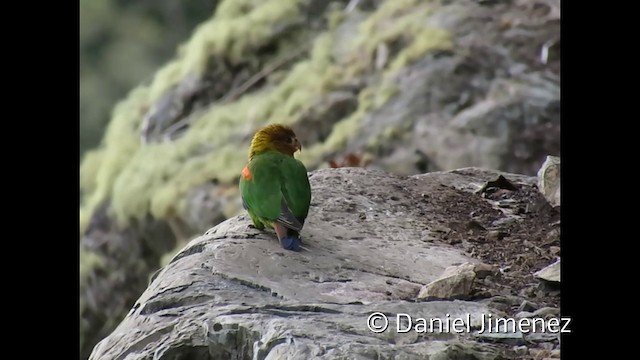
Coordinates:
<point>291,242</point>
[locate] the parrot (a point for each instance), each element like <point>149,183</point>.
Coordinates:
<point>274,185</point>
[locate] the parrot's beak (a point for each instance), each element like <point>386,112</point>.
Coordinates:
<point>297,145</point>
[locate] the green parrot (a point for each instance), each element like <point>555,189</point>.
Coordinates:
<point>274,185</point>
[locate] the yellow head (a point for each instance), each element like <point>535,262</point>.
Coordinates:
<point>274,137</point>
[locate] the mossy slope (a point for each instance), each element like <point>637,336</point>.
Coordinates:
<point>153,178</point>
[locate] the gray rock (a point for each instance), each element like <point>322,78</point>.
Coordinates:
<point>549,180</point>
<point>454,283</point>
<point>168,109</point>
<point>509,335</point>
<point>524,314</point>
<point>546,346</point>
<point>235,293</point>
<point>483,270</point>
<point>113,268</point>
<point>545,338</point>
<point>544,354</point>
<point>550,273</point>
<point>496,235</point>
<point>459,350</point>
<point>521,350</point>
<point>547,311</point>
<point>515,331</point>
<point>527,305</point>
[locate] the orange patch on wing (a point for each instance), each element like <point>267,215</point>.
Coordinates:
<point>246,174</point>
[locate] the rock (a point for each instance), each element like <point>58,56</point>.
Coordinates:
<point>547,311</point>
<point>549,180</point>
<point>545,339</point>
<point>459,350</point>
<point>496,235</point>
<point>543,354</point>
<point>235,293</point>
<point>483,270</point>
<point>553,235</point>
<point>454,283</point>
<point>505,334</point>
<point>499,183</point>
<point>521,350</point>
<point>209,204</point>
<point>524,314</point>
<point>114,268</point>
<point>550,273</point>
<point>168,109</point>
<point>546,346</point>
<point>527,306</point>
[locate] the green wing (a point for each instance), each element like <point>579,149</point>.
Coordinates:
<point>278,190</point>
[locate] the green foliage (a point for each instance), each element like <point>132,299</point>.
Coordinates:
<point>398,21</point>
<point>401,24</point>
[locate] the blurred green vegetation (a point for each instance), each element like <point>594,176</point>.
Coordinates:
<point>123,43</point>
<point>155,178</point>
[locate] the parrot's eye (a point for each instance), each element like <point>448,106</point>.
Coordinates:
<point>290,140</point>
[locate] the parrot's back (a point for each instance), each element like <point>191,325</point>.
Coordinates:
<point>275,187</point>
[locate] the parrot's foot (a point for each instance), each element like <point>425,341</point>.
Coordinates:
<point>291,243</point>
<point>256,226</point>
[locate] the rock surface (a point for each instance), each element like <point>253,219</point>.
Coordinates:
<point>550,273</point>
<point>374,239</point>
<point>454,283</point>
<point>549,180</point>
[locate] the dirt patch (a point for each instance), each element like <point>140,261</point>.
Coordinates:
<point>506,224</point>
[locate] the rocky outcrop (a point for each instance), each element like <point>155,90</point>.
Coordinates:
<point>549,180</point>
<point>551,273</point>
<point>373,241</point>
<point>407,87</point>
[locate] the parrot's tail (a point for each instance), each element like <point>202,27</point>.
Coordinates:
<point>291,242</point>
